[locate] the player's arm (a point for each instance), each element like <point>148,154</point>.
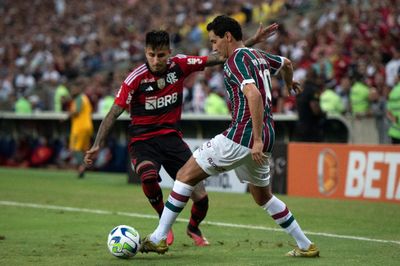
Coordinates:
<point>287,75</point>
<point>256,108</point>
<point>102,133</point>
<point>261,34</point>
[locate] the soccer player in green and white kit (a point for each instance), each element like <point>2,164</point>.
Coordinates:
<point>246,145</point>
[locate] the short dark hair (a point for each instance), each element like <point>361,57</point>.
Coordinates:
<point>222,24</point>
<point>157,39</point>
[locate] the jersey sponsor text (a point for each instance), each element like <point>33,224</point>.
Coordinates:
<point>155,102</point>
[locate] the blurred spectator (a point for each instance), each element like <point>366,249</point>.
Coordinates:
<point>198,94</point>
<point>311,120</point>
<point>105,104</point>
<point>323,67</point>
<point>41,154</point>
<point>330,101</point>
<point>359,93</point>
<point>61,98</point>
<point>343,90</point>
<point>81,124</point>
<point>289,104</point>
<point>67,39</point>
<point>6,87</point>
<point>24,81</point>
<point>392,66</point>
<point>214,104</point>
<point>22,105</point>
<point>393,112</point>
<point>377,100</point>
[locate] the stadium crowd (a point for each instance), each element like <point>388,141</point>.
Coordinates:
<point>347,51</point>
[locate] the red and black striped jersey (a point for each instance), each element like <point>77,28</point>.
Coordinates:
<point>246,66</point>
<point>155,102</point>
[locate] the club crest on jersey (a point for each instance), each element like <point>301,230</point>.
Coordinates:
<point>161,83</point>
<point>226,70</point>
<point>171,78</point>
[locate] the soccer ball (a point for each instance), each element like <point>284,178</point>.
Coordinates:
<point>123,241</point>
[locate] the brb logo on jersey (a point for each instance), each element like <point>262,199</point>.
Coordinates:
<point>154,102</point>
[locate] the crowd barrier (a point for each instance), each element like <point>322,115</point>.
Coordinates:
<point>197,128</point>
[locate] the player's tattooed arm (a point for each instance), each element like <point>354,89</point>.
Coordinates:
<point>107,124</point>
<point>214,59</point>
<point>104,129</point>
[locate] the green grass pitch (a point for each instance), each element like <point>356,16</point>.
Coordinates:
<point>49,217</point>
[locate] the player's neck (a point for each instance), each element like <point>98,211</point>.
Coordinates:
<point>234,46</point>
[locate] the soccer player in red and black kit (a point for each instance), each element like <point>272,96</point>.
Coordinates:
<point>152,93</point>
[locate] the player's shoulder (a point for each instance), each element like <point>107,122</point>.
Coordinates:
<point>244,52</point>
<point>136,73</point>
<point>178,58</point>
<point>238,56</point>
<point>187,59</point>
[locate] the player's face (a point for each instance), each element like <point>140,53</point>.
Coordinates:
<point>219,44</point>
<point>157,58</point>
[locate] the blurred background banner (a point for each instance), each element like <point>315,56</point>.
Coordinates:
<point>365,172</point>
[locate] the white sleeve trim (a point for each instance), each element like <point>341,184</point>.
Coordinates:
<point>246,81</point>
<point>279,69</point>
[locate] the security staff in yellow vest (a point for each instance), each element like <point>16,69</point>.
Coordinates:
<point>393,111</point>
<point>359,93</point>
<point>330,101</point>
<point>81,124</point>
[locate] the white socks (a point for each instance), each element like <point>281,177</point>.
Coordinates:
<point>177,200</point>
<point>280,213</point>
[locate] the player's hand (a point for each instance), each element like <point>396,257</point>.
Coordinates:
<point>264,33</point>
<point>91,155</point>
<point>257,153</point>
<point>295,89</point>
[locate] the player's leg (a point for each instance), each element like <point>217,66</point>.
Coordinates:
<point>177,153</point>
<point>78,143</point>
<point>278,210</point>
<point>143,157</point>
<point>84,145</point>
<point>215,156</point>
<point>198,213</point>
<point>188,176</point>
<point>148,174</point>
<point>259,186</point>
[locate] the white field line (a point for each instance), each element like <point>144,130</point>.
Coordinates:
<point>145,216</point>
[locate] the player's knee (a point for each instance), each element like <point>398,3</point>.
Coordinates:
<point>261,195</point>
<point>262,200</point>
<point>199,192</point>
<point>182,175</point>
<point>147,172</point>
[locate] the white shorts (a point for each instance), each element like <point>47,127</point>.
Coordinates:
<point>221,154</point>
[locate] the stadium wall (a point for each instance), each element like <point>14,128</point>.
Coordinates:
<point>197,128</point>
